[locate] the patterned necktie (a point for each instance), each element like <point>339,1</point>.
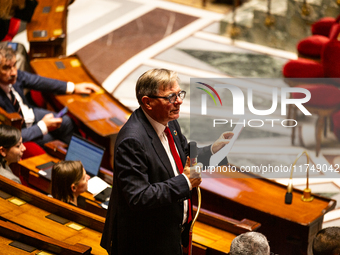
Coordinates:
<point>17,107</point>
<point>178,162</point>
<point>15,103</point>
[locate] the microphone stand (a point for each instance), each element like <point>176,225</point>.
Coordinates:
<point>306,197</point>
<point>194,220</point>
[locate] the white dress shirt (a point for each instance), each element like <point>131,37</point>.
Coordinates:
<point>159,128</point>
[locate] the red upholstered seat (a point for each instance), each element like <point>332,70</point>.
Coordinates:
<point>323,96</point>
<point>330,59</point>
<point>336,124</point>
<point>312,45</point>
<point>32,149</point>
<point>38,98</point>
<point>303,68</point>
<point>324,102</point>
<point>13,29</point>
<point>329,66</point>
<point>323,26</point>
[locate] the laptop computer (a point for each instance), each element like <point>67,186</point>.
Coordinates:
<point>89,154</point>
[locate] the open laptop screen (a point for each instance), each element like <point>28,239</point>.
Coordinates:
<point>88,153</point>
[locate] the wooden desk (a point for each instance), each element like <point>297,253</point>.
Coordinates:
<point>30,173</point>
<point>47,30</point>
<point>12,119</point>
<point>31,214</point>
<point>95,111</point>
<point>213,233</point>
<point>289,228</point>
<point>10,233</point>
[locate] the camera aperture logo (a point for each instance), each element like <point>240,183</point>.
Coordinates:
<point>238,107</point>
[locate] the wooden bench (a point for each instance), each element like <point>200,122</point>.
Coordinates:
<point>47,31</point>
<point>18,240</point>
<point>213,232</point>
<point>37,212</point>
<point>99,115</point>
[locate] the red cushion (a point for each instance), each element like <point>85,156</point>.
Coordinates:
<point>312,45</point>
<point>322,26</point>
<point>303,68</point>
<point>38,98</point>
<point>335,30</point>
<point>32,149</point>
<point>331,59</point>
<point>13,29</point>
<point>336,124</point>
<point>324,96</point>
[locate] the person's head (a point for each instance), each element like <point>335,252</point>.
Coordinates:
<point>159,94</point>
<point>69,179</point>
<point>250,243</point>
<point>11,146</point>
<point>8,70</point>
<point>327,241</point>
<point>8,7</point>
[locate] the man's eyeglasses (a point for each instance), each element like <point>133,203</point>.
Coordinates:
<point>172,97</point>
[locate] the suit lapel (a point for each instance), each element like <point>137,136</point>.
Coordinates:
<point>156,143</point>
<point>7,101</point>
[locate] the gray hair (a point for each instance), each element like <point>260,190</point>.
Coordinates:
<point>250,243</point>
<point>149,83</point>
<point>6,53</point>
<point>327,241</point>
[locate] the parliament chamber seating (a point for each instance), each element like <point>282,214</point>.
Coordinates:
<point>322,80</point>
<point>99,116</point>
<point>289,228</point>
<point>40,220</point>
<point>51,218</point>
<point>13,29</point>
<point>322,30</point>
<point>227,203</point>
<point>47,31</point>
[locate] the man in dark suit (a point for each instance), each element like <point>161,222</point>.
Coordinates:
<point>149,212</point>
<point>39,125</point>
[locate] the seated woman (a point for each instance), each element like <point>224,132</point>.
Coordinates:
<point>11,150</point>
<point>69,180</point>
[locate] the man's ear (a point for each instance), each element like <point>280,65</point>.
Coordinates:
<point>147,102</point>
<point>2,151</point>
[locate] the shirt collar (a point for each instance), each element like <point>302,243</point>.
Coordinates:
<point>6,88</point>
<point>158,127</point>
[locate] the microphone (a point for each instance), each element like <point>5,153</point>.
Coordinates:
<point>193,153</point>
<point>289,195</point>
<point>306,197</point>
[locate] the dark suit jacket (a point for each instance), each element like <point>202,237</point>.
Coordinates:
<point>26,80</point>
<point>146,205</point>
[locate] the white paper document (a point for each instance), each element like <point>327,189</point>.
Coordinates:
<point>222,153</point>
<point>96,185</point>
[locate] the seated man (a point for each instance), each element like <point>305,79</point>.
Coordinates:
<point>250,243</point>
<point>327,241</point>
<point>39,125</point>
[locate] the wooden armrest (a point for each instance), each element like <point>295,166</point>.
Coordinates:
<point>39,241</point>
<point>225,223</point>
<point>56,149</point>
<point>11,119</point>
